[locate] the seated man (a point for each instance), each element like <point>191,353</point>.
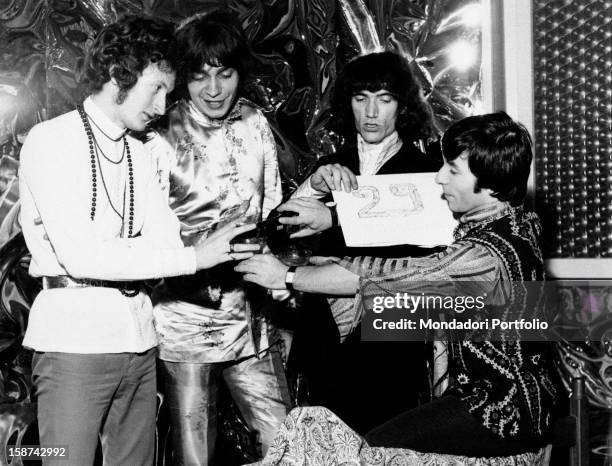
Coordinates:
<point>502,394</point>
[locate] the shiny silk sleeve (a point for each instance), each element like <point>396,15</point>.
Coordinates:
<point>273,194</point>
<point>161,153</point>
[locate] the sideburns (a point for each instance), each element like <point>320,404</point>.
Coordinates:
<point>121,96</point>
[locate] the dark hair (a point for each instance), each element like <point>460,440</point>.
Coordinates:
<point>216,39</point>
<point>122,50</point>
<point>499,153</point>
<point>382,71</point>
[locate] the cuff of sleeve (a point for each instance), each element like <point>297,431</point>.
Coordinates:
<point>280,295</point>
<point>179,262</point>
<point>305,190</point>
<point>346,313</point>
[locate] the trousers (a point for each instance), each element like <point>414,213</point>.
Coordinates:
<point>83,398</point>
<point>257,386</point>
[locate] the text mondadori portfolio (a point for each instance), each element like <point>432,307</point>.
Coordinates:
<point>449,306</point>
<point>453,324</point>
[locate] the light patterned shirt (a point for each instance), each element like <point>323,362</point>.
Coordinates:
<point>214,172</point>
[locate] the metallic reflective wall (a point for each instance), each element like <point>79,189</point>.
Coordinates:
<point>299,44</point>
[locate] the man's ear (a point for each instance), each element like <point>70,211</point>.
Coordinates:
<point>487,191</point>
<point>116,92</point>
<point>111,72</point>
<point>492,193</point>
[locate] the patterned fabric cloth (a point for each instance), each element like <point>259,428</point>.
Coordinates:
<point>315,436</point>
<point>509,386</point>
<point>214,172</point>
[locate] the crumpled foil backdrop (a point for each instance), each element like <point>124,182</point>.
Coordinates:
<point>299,44</point>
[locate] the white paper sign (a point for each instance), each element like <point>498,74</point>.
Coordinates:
<point>388,210</point>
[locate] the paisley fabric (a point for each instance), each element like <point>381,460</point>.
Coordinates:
<point>314,436</point>
<point>214,172</point>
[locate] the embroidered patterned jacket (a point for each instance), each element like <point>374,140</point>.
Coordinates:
<point>509,386</point>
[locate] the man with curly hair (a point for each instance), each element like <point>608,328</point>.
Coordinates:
<point>380,112</point>
<point>97,225</point>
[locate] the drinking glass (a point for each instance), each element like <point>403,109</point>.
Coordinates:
<point>294,254</point>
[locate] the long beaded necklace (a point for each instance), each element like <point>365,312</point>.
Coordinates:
<point>93,155</point>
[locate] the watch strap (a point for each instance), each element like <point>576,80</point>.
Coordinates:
<point>333,212</point>
<point>289,276</point>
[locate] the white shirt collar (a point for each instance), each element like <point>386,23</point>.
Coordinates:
<point>200,118</point>
<point>373,156</point>
<point>104,123</point>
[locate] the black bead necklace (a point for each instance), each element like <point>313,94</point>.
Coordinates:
<point>93,155</point>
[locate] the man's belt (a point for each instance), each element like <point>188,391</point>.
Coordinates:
<point>129,289</point>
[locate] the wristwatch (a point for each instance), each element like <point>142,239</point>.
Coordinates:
<point>334,213</point>
<point>289,277</point>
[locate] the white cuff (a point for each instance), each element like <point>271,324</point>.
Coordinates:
<point>306,190</point>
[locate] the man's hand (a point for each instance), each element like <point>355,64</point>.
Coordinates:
<point>216,248</point>
<point>333,177</point>
<point>265,270</point>
<point>313,216</point>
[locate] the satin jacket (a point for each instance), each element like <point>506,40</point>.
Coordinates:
<point>214,172</point>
